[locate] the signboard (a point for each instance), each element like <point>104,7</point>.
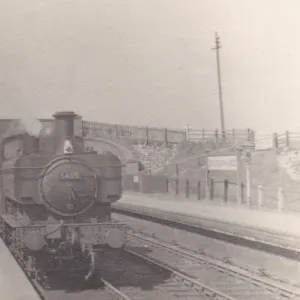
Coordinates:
<point>222,163</point>
<point>248,147</point>
<point>136,179</point>
<point>263,142</point>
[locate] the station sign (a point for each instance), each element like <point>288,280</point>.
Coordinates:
<point>222,163</point>
<point>263,142</point>
<point>248,147</point>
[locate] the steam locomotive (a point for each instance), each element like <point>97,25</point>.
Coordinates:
<point>56,199</point>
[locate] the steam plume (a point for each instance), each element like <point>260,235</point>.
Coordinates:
<point>32,125</point>
<point>26,124</point>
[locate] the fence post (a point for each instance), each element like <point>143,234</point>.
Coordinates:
<point>203,135</point>
<point>177,181</point>
<point>279,199</point>
<point>238,176</point>
<point>199,162</point>
<point>242,192</point>
<point>223,135</point>
<point>287,138</point>
<point>167,185</point>
<point>176,187</point>
<point>275,141</point>
<point>146,136</point>
<point>199,190</point>
<point>225,190</point>
<point>116,127</point>
<point>211,194</point>
<point>166,137</point>
<point>253,138</point>
<point>187,188</point>
<point>187,132</point>
<point>217,135</point>
<point>177,170</point>
<point>207,178</point>
<point>249,134</point>
<point>248,178</point>
<point>260,196</point>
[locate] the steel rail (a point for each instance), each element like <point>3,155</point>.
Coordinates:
<point>185,279</point>
<point>256,280</point>
<point>163,218</point>
<point>113,290</point>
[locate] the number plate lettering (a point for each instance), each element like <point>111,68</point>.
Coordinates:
<point>69,176</point>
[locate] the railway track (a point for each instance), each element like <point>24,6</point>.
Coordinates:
<point>189,276</point>
<point>170,284</point>
<point>177,286</point>
<point>228,280</point>
<point>261,263</point>
<point>285,246</point>
<point>165,283</point>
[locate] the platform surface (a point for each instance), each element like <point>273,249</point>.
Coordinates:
<point>286,224</point>
<point>14,284</point>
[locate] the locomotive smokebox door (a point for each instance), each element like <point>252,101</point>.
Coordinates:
<point>75,186</point>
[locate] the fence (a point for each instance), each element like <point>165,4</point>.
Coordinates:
<point>234,137</point>
<point>230,137</point>
<point>163,135</point>
<point>199,189</point>
<point>135,133</point>
<point>278,141</point>
<point>287,139</point>
<point>160,184</point>
<point>215,191</point>
<point>140,134</point>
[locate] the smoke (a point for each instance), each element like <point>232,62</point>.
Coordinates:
<point>32,126</point>
<point>26,124</point>
<point>46,130</point>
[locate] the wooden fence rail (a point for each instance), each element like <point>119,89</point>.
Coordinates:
<point>286,140</point>
<point>261,201</point>
<point>218,191</point>
<point>147,135</point>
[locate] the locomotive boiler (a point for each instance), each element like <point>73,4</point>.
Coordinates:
<point>56,199</point>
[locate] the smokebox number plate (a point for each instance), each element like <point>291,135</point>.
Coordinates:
<point>70,176</point>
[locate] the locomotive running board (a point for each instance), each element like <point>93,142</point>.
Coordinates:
<point>18,223</point>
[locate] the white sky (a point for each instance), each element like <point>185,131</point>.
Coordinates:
<point>150,62</point>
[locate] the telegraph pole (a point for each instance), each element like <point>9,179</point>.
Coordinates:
<point>217,48</point>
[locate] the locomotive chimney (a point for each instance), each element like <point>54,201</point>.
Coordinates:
<point>63,129</point>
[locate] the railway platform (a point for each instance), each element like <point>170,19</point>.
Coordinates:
<point>279,231</point>
<point>14,285</point>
